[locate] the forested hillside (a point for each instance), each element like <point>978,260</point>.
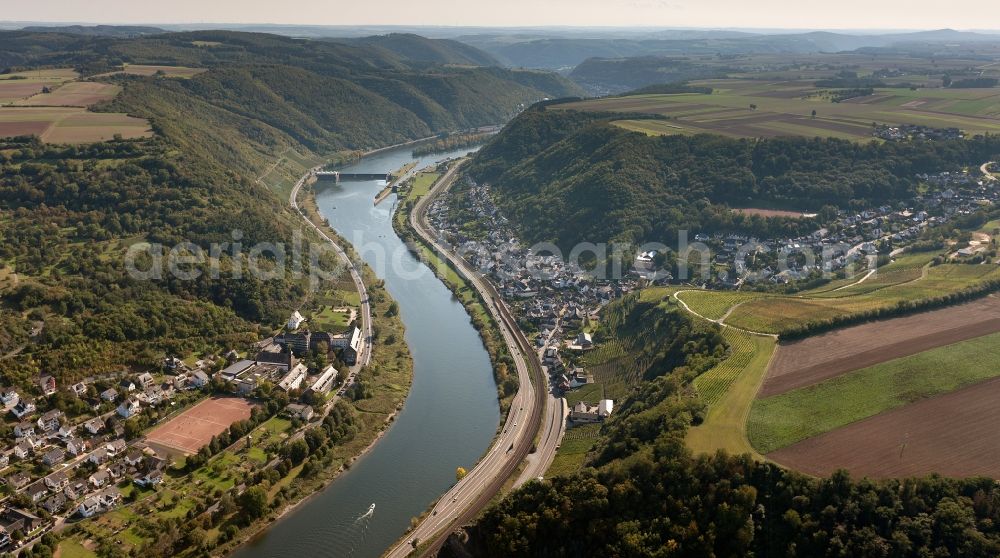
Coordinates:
<point>642,493</point>
<point>569,177</point>
<point>69,213</point>
<point>415,48</point>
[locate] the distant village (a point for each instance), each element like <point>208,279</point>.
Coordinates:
<point>70,451</point>
<point>558,300</point>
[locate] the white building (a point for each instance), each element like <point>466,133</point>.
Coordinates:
<point>294,321</point>
<point>293,379</point>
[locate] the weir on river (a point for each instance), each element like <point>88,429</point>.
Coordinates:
<point>337,176</point>
<point>450,415</point>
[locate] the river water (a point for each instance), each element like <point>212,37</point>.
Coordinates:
<point>451,413</point>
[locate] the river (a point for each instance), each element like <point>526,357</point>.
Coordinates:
<point>450,415</point>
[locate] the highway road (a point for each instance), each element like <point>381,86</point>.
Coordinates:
<point>554,426</point>
<point>473,493</point>
<point>366,313</point>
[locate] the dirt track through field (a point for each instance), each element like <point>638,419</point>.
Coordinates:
<point>815,359</point>
<point>954,434</point>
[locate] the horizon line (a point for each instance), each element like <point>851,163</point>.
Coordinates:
<point>68,23</point>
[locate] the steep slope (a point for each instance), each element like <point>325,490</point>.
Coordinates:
<point>570,177</point>
<point>68,214</point>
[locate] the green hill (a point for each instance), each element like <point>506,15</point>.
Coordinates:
<point>414,48</point>
<point>568,177</point>
<point>266,105</point>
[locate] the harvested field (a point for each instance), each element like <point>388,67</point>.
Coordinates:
<point>169,71</point>
<point>784,108</point>
<point>814,359</point>
<point>12,90</point>
<point>70,124</point>
<point>26,128</point>
<point>954,434</point>
<point>87,127</point>
<point>195,427</point>
<point>74,94</point>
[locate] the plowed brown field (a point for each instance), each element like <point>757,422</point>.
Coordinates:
<point>812,360</point>
<point>954,434</point>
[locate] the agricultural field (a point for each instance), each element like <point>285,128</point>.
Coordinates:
<point>70,124</point>
<point>573,449</point>
<point>730,388</point>
<point>73,94</point>
<point>954,435</point>
<point>785,108</point>
<point>715,305</point>
<point>806,362</point>
<point>20,85</point>
<point>167,71</point>
<point>781,420</point>
<point>779,314</point>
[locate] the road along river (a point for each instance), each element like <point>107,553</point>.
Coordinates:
<point>450,415</point>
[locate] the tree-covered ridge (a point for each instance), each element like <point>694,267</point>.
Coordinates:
<point>570,177</point>
<point>414,48</point>
<point>69,213</point>
<point>642,493</point>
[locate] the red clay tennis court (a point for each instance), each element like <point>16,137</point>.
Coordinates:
<point>195,427</point>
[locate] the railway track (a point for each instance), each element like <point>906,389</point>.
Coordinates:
<point>499,465</point>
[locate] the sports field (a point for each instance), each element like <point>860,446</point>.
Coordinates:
<point>784,108</point>
<point>195,427</point>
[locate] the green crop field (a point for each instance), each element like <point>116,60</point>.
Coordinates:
<point>782,420</point>
<point>785,108</point>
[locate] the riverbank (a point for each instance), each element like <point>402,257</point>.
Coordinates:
<point>388,381</point>
<point>452,396</point>
<point>484,323</point>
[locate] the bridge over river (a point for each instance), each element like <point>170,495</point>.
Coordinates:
<point>337,176</point>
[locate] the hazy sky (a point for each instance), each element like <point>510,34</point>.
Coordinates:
<point>826,14</point>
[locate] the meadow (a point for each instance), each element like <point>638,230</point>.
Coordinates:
<point>766,108</point>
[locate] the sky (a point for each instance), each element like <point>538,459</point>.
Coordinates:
<point>791,14</point>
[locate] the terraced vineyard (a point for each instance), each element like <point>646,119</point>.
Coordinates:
<point>715,304</point>
<point>713,385</point>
